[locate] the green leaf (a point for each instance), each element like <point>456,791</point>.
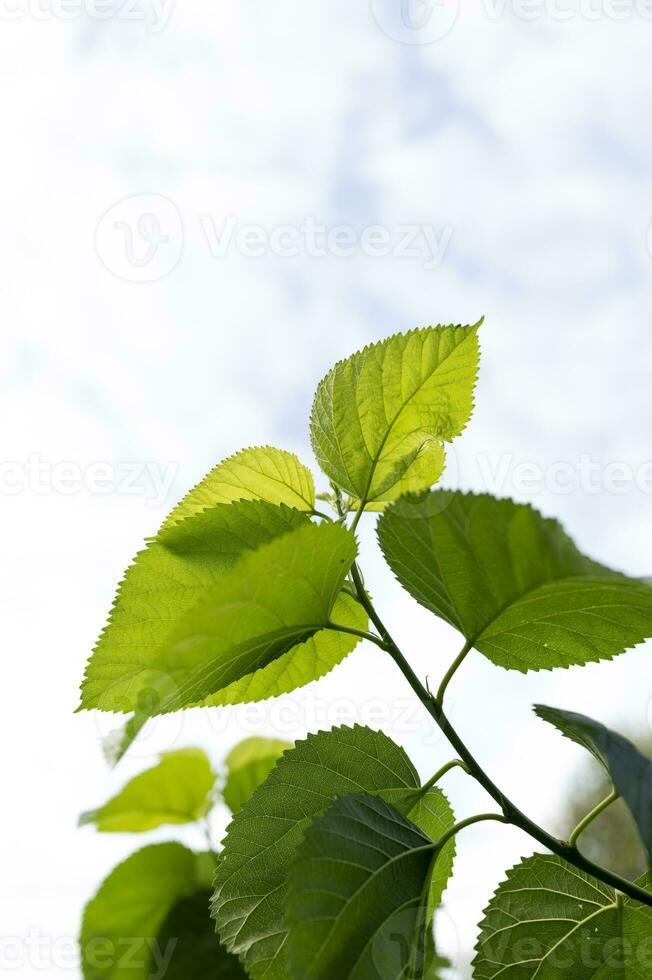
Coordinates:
<point>274,598</point>
<point>512,581</point>
<point>170,576</point>
<point>433,815</point>
<point>629,770</point>
<point>122,922</point>
<point>196,951</point>
<point>263,837</point>
<point>357,895</point>
<point>260,473</point>
<point>177,790</point>
<point>380,417</point>
<point>550,921</point>
<point>248,765</point>
<point>304,663</point>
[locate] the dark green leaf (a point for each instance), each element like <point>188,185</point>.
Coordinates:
<point>629,770</point>
<point>357,898</point>
<point>511,581</point>
<point>120,928</point>
<point>263,837</point>
<point>188,934</point>
<point>549,921</point>
<point>380,417</point>
<point>177,790</point>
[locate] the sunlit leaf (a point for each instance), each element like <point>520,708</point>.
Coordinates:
<point>380,417</point>
<point>170,576</point>
<point>259,473</point>
<point>248,764</point>
<point>273,599</point>
<point>512,581</point>
<point>177,790</point>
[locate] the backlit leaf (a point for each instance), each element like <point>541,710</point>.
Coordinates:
<point>274,598</point>
<point>177,790</point>
<point>170,576</point>
<point>259,473</point>
<point>248,765</point>
<point>380,417</point>
<point>549,921</point>
<point>512,581</point>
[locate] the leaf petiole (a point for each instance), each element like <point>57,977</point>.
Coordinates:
<point>590,817</point>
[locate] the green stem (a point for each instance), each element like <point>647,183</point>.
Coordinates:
<point>453,764</point>
<point>354,632</point>
<point>319,513</point>
<point>448,676</point>
<point>590,817</point>
<point>478,818</point>
<point>510,811</point>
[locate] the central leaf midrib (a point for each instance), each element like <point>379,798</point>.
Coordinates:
<point>376,459</point>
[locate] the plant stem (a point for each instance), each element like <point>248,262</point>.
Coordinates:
<point>478,818</point>
<point>510,811</point>
<point>448,676</point>
<point>590,817</point>
<point>319,513</point>
<point>453,764</point>
<point>354,632</point>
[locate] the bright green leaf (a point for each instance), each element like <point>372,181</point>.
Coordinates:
<point>272,599</point>
<point>357,895</point>
<point>380,417</point>
<point>197,954</point>
<point>248,765</point>
<point>122,922</point>
<point>304,663</point>
<point>170,576</point>
<point>629,770</point>
<point>260,473</point>
<point>549,921</point>
<point>511,581</point>
<point>264,835</point>
<point>177,790</point>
